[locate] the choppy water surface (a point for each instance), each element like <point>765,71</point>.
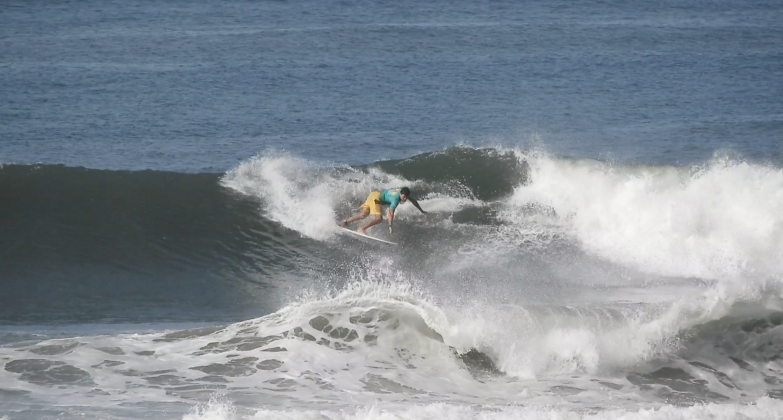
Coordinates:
<point>603,183</point>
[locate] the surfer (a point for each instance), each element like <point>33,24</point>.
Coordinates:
<point>374,202</point>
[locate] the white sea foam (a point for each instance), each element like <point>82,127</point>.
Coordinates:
<point>296,193</point>
<point>763,408</point>
<point>389,341</point>
<point>393,339</point>
<point>719,221</point>
<point>538,341</point>
<point>217,408</point>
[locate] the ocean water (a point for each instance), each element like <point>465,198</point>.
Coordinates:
<point>604,184</point>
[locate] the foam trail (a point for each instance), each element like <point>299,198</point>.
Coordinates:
<point>719,221</point>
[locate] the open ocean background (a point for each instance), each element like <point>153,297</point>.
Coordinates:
<point>605,183</point>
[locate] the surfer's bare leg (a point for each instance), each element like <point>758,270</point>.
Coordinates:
<point>358,216</point>
<point>376,219</point>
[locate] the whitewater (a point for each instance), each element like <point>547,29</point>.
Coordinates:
<point>537,287</point>
<point>603,184</point>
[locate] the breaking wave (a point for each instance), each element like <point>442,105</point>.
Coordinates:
<point>534,278</point>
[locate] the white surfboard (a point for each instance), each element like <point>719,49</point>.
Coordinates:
<point>362,236</point>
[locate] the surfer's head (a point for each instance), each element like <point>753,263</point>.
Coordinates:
<point>404,193</point>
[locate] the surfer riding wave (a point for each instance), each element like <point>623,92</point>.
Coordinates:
<point>375,201</point>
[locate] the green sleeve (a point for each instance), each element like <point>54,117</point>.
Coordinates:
<point>394,201</point>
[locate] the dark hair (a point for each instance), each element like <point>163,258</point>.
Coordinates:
<point>405,191</point>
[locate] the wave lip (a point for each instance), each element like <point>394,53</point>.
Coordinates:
<point>487,173</point>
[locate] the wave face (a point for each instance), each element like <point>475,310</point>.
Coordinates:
<point>89,245</point>
<point>535,282</point>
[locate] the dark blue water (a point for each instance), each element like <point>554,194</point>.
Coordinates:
<point>603,182</point>
<point>199,86</point>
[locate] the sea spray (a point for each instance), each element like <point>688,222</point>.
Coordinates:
<point>217,408</point>
<point>296,193</point>
<point>719,221</point>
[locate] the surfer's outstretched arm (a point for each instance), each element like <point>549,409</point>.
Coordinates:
<point>390,215</point>
<point>416,203</point>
